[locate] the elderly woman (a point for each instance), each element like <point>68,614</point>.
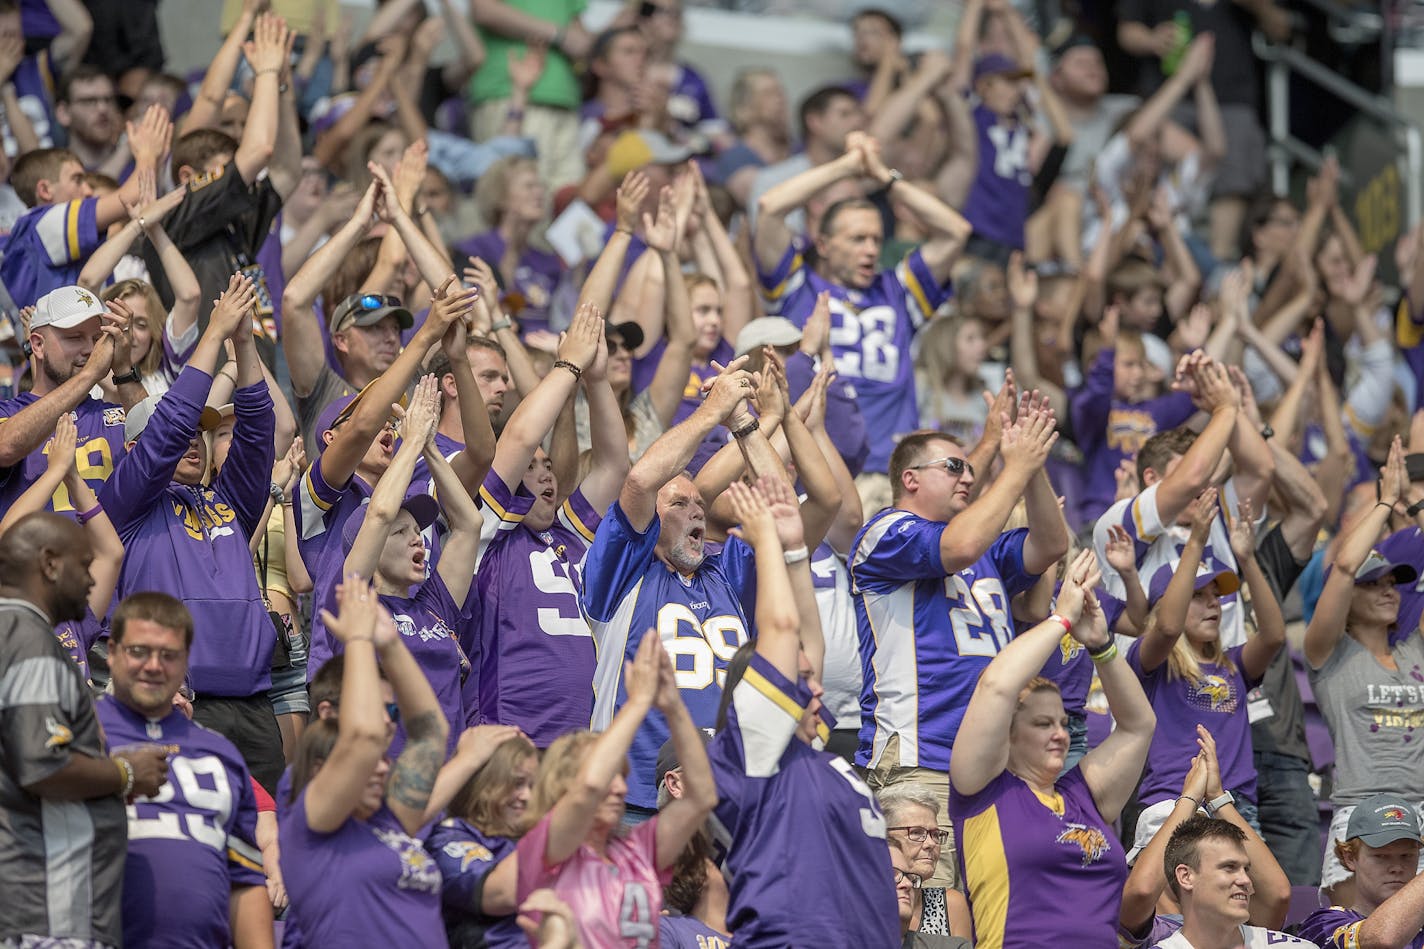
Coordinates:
<point>912,825</point>
<point>1024,830</point>
<point>1354,650</point>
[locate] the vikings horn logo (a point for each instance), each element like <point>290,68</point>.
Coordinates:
<point>1091,841</point>
<point>1217,691</point>
<point>1068,647</point>
<point>467,852</point>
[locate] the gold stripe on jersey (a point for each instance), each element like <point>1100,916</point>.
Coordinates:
<point>986,873</point>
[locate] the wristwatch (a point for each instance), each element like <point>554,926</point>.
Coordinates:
<point>1217,803</point>
<point>131,376</point>
<point>1414,509</point>
<point>275,490</point>
<point>1267,431</point>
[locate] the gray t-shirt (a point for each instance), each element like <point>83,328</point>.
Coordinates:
<point>329,387</point>
<point>1089,137</point>
<point>1375,717</point>
<point>62,861</point>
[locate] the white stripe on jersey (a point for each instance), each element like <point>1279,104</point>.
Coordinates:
<point>1253,937</point>
<point>53,231</point>
<point>69,866</point>
<point>610,641</point>
<point>764,726</point>
<point>895,665</point>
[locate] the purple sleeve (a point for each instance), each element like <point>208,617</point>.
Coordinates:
<point>246,474</point>
<point>1333,928</point>
<point>1007,554</point>
<point>962,806</point>
<point>846,424</point>
<point>139,478</point>
<point>617,559</point>
<point>1091,403</point>
<point>646,366</point>
<point>908,550</point>
<point>923,294</point>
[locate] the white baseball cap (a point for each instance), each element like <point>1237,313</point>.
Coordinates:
<point>767,331</point>
<point>66,308</point>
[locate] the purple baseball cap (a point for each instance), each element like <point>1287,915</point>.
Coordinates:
<point>336,411</point>
<point>1207,571</point>
<point>997,64</point>
<point>1376,565</point>
<point>422,507</point>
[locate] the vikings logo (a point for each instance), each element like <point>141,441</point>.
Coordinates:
<point>1091,841</point>
<point>418,871</point>
<point>59,734</point>
<point>467,852</point>
<point>1068,647</point>
<point>1217,693</point>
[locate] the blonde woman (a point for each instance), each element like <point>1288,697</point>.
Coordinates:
<point>947,379</point>
<point>1187,674</point>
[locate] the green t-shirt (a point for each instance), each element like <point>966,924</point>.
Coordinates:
<point>557,87</point>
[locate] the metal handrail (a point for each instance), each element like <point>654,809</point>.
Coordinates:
<point>1281,62</point>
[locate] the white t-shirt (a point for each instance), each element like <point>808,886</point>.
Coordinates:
<point>1251,938</point>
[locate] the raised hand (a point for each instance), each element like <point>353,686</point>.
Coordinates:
<point>1203,512</point>
<point>1194,785</point>
<point>453,305</point>
<point>817,331</point>
<point>12,53</point>
<point>756,525</point>
<point>1246,394</point>
<point>579,344</point>
<point>661,234</point>
<point>597,370</point>
<point>1207,744</point>
<point>812,404</point>
<point>1356,290</point>
<point>785,510</point>
<point>640,677</point>
<point>1214,390</point>
<point>122,316</point>
<point>1023,282</point>
<point>1194,329</point>
<point>1027,440</point>
<point>421,418</point>
<point>1128,486</point>
<point>1121,553</point>
<point>669,696</point>
<point>356,607</point>
<point>1312,348</point>
<point>150,138</point>
<point>1069,603</point>
<point>62,445</point>
<point>1108,325</point>
<point>1201,53</point>
<point>631,195</point>
<point>1243,532</point>
<point>232,311</point>
<point>288,469</point>
<point>771,396</point>
<point>410,172</point>
<point>478,743</point>
<point>267,50</point>
<point>732,385</point>
<point>1394,477</point>
<point>525,68</point>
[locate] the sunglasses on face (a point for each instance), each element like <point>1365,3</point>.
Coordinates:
<point>955,466</point>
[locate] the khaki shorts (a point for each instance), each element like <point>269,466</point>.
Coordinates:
<point>888,775</point>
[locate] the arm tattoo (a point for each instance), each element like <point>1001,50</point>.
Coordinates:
<point>413,776</point>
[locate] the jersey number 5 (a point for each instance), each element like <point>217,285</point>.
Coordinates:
<point>979,615</point>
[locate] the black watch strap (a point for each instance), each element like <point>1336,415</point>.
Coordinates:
<point>1414,509</point>
<point>131,376</point>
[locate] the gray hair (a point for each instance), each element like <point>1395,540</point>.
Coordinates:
<point>894,799</point>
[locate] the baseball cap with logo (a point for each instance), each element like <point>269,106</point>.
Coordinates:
<point>767,331</point>
<point>136,419</point>
<point>368,309</point>
<point>422,507</point>
<point>1208,570</point>
<point>1383,819</point>
<point>65,308</point>
<point>1376,565</point>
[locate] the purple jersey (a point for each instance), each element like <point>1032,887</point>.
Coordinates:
<point>646,367</point>
<point>34,81</point>
<point>1409,335</point>
<point>1339,928</point>
<point>1069,666</point>
<point>536,657</point>
<point>47,248</point>
<point>626,590</point>
<point>1217,700</point>
<point>192,844</point>
<point>191,541</point>
<point>1407,546</point>
<point>367,883</point>
<point>871,333</point>
<point>1252,937</point>
<point>536,277</point>
<point>1018,850</point>
<point>689,932</point>
<point>778,796</point>
<point>689,103</point>
<point>925,637</point>
<point>1109,429</point>
<point>99,446</point>
<point>78,638</point>
<point>465,856</point>
<point>848,432</point>
<point>1159,927</point>
<point>615,896</point>
<point>321,511</point>
<point>997,203</point>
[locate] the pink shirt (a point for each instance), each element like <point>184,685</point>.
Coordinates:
<point>616,900</point>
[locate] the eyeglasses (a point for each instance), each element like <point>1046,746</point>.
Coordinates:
<point>918,834</point>
<point>649,9</point>
<point>955,466</point>
<point>914,879</point>
<point>142,654</point>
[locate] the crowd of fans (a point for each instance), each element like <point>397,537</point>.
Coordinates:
<point>505,496</point>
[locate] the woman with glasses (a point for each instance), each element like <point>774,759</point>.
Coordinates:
<point>912,819</point>
<point>909,885</point>
<point>1030,837</point>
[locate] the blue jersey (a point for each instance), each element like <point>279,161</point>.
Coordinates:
<point>627,590</point>
<point>34,81</point>
<point>466,856</point>
<point>796,821</point>
<point>98,447</point>
<point>47,248</point>
<point>925,637</point>
<point>194,842</point>
<point>871,332</point>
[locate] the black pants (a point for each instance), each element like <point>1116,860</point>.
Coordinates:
<point>250,725</point>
